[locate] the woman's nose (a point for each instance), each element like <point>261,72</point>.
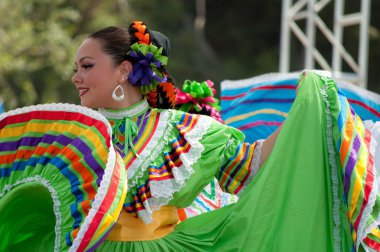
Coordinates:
<point>76,78</point>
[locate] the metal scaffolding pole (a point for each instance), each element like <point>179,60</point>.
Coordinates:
<point>309,10</point>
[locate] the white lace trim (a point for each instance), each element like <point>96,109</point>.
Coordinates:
<point>254,164</point>
<point>56,203</point>
<point>162,191</point>
<point>362,230</point>
<point>264,79</point>
<point>129,112</point>
<point>334,167</point>
<point>99,197</point>
<point>256,80</point>
<point>152,150</point>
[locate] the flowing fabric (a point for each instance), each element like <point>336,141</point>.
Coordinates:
<point>302,199</point>
<point>61,182</point>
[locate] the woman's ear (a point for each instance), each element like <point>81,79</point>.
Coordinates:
<point>125,67</point>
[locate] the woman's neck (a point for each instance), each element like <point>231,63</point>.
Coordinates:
<point>135,110</point>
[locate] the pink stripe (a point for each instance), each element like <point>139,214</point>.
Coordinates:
<point>364,106</point>
<point>232,97</point>
<point>254,124</point>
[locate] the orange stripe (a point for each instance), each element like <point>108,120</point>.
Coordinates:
<point>70,155</point>
<point>130,158</point>
<point>345,146</point>
<point>193,121</point>
<point>242,177</point>
<point>234,163</point>
<point>104,207</point>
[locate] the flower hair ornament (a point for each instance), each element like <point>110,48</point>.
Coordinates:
<point>147,59</point>
<point>199,98</point>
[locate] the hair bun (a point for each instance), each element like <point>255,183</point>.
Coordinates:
<point>160,40</point>
<point>141,34</point>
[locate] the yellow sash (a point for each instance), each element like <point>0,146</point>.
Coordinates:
<point>131,228</point>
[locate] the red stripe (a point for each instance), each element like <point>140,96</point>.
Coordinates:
<point>232,97</point>
<point>183,149</point>
<point>227,172</point>
<point>52,150</point>
<point>372,110</point>
<point>369,180</point>
<point>205,199</point>
<point>56,116</point>
<point>105,206</point>
<point>146,142</point>
<point>254,124</point>
<point>186,126</point>
<point>371,243</point>
<point>242,183</point>
<point>181,126</point>
<point>161,178</point>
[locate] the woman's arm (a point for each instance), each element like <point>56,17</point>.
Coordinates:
<point>267,146</point>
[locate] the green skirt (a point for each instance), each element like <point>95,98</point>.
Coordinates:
<point>298,199</point>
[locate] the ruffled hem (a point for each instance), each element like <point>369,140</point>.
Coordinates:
<point>64,128</point>
<point>367,222</point>
<point>332,162</point>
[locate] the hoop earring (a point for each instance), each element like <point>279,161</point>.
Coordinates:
<point>118,97</point>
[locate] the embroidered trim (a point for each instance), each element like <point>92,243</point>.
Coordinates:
<point>55,198</point>
<point>254,164</point>
<point>132,111</point>
<point>151,151</point>
<point>362,231</point>
<point>162,191</point>
<point>332,162</point>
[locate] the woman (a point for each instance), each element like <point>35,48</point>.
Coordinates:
<point>312,193</point>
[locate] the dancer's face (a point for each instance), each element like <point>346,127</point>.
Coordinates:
<point>95,75</point>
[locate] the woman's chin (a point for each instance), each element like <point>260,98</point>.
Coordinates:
<point>87,104</point>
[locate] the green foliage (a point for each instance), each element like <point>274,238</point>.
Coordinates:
<point>35,46</point>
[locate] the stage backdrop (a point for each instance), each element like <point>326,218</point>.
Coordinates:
<point>258,105</point>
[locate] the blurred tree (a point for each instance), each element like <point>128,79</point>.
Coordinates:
<point>38,40</point>
<point>36,48</point>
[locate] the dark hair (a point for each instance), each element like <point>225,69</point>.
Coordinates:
<point>115,41</point>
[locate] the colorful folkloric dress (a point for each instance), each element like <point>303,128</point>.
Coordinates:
<point>315,192</point>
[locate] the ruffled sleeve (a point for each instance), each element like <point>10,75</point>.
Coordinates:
<point>225,156</point>
<point>184,153</point>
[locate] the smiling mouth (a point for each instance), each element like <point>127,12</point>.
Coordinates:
<point>82,91</point>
